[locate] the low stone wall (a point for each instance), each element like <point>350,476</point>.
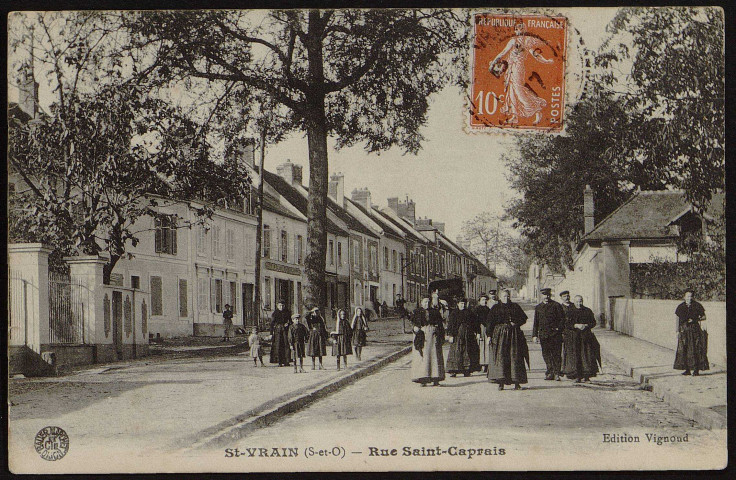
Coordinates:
<point>655,322</point>
<point>71,355</point>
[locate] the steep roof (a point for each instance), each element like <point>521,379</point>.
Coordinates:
<point>388,228</point>
<point>296,199</point>
<point>402,224</point>
<point>272,204</point>
<point>352,222</point>
<point>449,244</point>
<point>647,214</point>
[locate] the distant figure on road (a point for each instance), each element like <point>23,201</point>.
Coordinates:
<point>692,341</point>
<point>297,336</point>
<point>399,303</point>
<point>582,351</point>
<point>343,337</point>
<point>508,344</point>
<point>463,329</point>
<point>280,321</point>
<point>256,351</point>
<point>384,309</point>
<point>227,320</point>
<point>549,321</point>
<point>427,363</point>
<point>359,327</point>
<point>316,347</point>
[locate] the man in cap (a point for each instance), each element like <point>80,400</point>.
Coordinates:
<point>549,321</point>
<point>566,303</point>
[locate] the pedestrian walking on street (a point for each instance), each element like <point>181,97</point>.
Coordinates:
<point>342,337</point>
<point>463,332</point>
<point>582,351</point>
<point>481,315</point>
<point>256,351</point>
<point>508,344</point>
<point>692,340</point>
<point>427,364</point>
<point>316,344</point>
<point>549,321</point>
<point>227,320</point>
<point>359,327</point>
<point>280,321</point>
<point>297,337</point>
<point>399,303</point>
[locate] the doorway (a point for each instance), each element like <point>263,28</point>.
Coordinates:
<point>247,295</point>
<point>117,323</point>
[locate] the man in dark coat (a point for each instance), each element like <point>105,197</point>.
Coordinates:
<point>582,351</point>
<point>280,321</point>
<point>566,303</point>
<point>692,341</point>
<point>508,344</point>
<point>549,321</point>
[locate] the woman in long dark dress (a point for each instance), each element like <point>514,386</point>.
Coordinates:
<point>427,363</point>
<point>463,330</point>
<point>280,321</point>
<point>582,351</point>
<point>342,337</point>
<point>692,343</point>
<point>359,327</point>
<point>297,336</point>
<point>316,347</point>
<point>508,344</point>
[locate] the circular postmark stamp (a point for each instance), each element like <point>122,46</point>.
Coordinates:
<point>52,443</point>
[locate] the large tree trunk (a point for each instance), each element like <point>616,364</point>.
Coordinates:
<point>316,122</point>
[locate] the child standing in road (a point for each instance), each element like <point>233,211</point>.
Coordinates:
<point>255,347</point>
<point>297,337</point>
<point>359,326</point>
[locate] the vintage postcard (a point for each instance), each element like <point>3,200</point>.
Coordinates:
<point>366,240</point>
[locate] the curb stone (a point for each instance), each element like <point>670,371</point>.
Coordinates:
<point>272,414</point>
<point>702,415</point>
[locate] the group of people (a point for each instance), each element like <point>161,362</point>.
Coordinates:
<point>489,338</point>
<point>293,339</point>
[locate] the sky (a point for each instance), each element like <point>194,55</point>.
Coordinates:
<point>456,175</point>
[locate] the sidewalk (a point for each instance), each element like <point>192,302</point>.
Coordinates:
<point>141,407</point>
<point>702,399</point>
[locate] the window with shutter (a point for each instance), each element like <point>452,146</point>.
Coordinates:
<point>266,241</point>
<point>156,296</point>
<point>203,293</point>
<point>183,298</point>
<point>218,295</point>
<point>234,296</point>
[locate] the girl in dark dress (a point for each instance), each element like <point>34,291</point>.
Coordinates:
<point>317,336</point>
<point>359,327</point>
<point>297,336</point>
<point>463,330</point>
<point>692,343</point>
<point>582,351</point>
<point>508,344</point>
<point>342,337</point>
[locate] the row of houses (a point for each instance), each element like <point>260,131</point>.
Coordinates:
<point>373,254</point>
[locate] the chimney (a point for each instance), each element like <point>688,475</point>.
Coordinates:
<point>362,197</point>
<point>588,209</point>
<point>440,226</point>
<point>407,210</point>
<point>393,204</point>
<point>28,91</point>
<point>290,172</point>
<point>242,150</point>
<point>336,188</point>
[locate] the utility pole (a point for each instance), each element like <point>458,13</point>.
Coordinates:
<point>259,231</point>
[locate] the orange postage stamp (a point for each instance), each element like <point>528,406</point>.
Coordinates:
<point>518,72</point>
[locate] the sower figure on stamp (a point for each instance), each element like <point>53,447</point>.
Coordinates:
<point>481,315</point>
<point>297,337</point>
<point>549,321</point>
<point>463,329</point>
<point>316,344</point>
<point>582,351</point>
<point>427,363</point>
<point>509,350</point>
<point>692,341</point>
<point>280,321</point>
